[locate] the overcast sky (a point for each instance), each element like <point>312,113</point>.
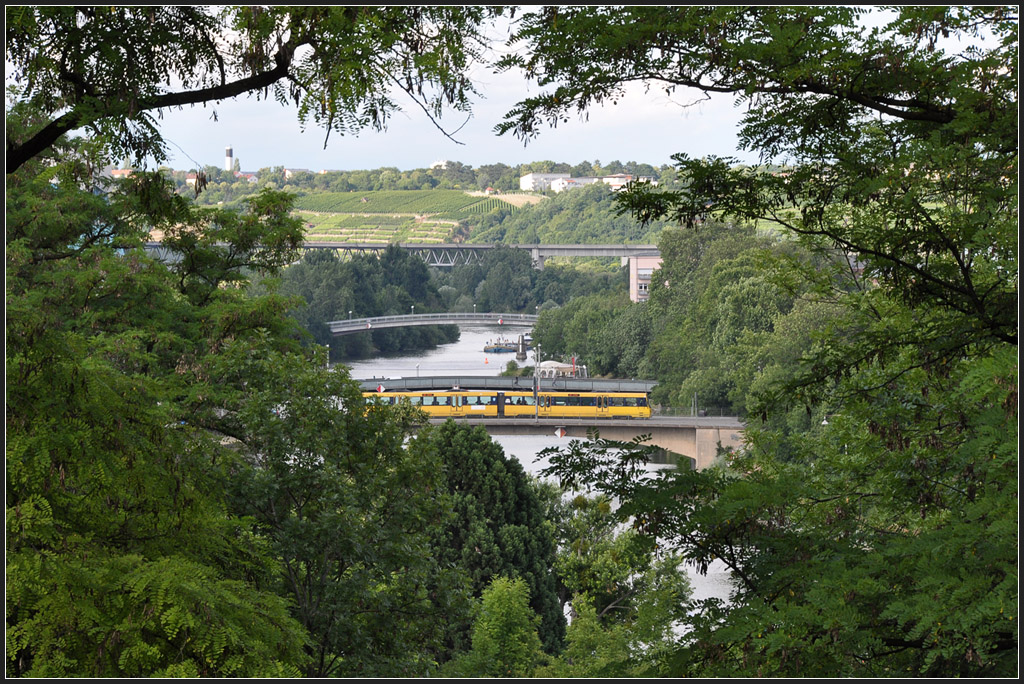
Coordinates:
<point>647,128</point>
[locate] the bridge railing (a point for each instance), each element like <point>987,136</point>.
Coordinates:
<point>687,412</point>
<point>441,319</point>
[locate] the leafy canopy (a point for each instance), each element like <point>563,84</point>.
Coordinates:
<point>111,69</point>
<point>886,541</point>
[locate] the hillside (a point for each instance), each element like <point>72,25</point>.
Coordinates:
<point>399,215</point>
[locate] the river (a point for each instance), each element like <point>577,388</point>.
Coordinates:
<point>466,357</point>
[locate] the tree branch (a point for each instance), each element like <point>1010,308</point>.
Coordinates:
<point>19,154</point>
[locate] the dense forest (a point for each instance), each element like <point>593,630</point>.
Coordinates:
<point>192,491</point>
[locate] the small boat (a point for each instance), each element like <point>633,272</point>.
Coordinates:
<point>501,346</point>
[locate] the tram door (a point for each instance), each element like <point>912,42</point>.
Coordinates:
<point>602,406</point>
<point>501,404</point>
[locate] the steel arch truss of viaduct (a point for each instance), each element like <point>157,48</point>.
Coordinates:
<point>446,255</point>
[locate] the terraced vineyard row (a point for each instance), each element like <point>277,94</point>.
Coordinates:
<point>450,202</point>
<point>374,228</point>
<point>391,216</point>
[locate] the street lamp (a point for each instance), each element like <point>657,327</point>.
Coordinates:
<point>412,310</point>
<point>536,382</point>
<point>474,309</point>
<point>350,315</point>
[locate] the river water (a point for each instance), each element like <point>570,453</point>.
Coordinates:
<point>466,357</point>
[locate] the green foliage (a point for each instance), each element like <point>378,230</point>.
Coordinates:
<point>877,536</point>
<point>349,513</point>
<point>498,528</point>
<point>584,216</point>
<point>121,558</point>
<point>127,615</point>
<point>505,642</point>
<point>108,69</point>
<point>365,286</point>
<point>506,280</point>
<point>599,330</point>
<point>627,596</point>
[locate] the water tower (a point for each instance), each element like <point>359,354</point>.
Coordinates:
<point>229,159</point>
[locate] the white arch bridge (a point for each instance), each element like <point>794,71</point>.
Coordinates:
<point>357,325</point>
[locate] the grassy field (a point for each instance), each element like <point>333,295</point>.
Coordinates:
<point>425,216</point>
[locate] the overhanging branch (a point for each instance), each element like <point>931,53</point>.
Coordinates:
<point>19,154</point>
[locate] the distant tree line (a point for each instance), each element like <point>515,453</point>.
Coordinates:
<point>326,288</point>
<point>224,186</point>
<point>329,289</point>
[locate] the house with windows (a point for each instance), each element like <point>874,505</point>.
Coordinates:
<point>641,270</point>
<point>539,182</point>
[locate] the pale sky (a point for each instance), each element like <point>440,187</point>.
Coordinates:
<point>646,128</point>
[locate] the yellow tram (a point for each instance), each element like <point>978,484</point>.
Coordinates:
<point>520,404</point>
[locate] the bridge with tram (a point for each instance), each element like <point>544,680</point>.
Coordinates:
<point>694,437</point>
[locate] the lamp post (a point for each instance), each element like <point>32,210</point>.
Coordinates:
<point>474,308</point>
<point>536,382</point>
<point>412,310</point>
<point>350,315</point>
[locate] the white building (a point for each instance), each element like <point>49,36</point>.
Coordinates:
<point>560,182</point>
<point>641,269</point>
<point>563,184</point>
<point>539,182</point>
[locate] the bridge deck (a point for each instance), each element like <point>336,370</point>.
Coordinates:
<point>352,326</point>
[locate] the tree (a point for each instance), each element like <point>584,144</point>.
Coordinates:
<point>505,642</point>
<point>349,513</point>
<point>626,596</point>
<point>498,528</point>
<point>121,557</point>
<point>110,69</point>
<point>886,542</point>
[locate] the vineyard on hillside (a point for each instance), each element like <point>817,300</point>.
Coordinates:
<point>421,202</point>
<point>426,216</point>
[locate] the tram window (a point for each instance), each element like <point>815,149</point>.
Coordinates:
<point>415,401</point>
<point>642,401</point>
<point>428,401</point>
<point>588,401</point>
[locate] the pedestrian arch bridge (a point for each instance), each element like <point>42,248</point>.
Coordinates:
<point>357,325</point>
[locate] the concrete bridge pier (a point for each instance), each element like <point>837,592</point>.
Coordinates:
<point>698,444</point>
<point>694,438</point>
